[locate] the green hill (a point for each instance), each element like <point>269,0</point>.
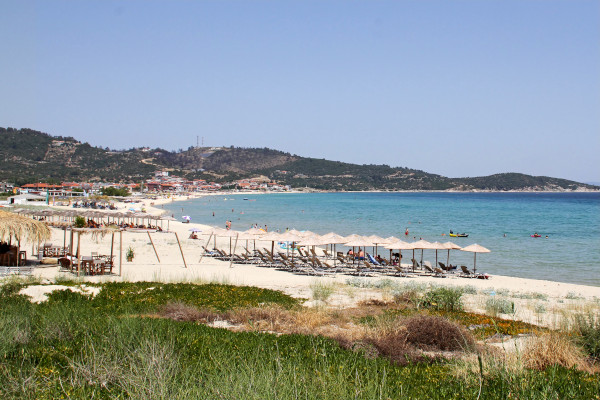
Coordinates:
<point>28,156</point>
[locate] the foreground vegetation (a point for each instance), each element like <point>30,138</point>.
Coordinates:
<point>149,340</point>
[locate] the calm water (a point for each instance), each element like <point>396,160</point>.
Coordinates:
<point>571,253</point>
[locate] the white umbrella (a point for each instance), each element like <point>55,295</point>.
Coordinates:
<point>475,248</point>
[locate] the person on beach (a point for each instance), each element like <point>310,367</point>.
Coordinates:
<point>350,253</point>
<point>361,254</point>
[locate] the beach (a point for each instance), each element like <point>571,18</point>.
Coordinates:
<point>530,296</point>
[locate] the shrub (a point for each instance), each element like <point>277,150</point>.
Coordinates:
<point>321,291</point>
<point>494,306</point>
<point>553,349</point>
<point>587,327</point>
<point>183,312</point>
<point>436,333</point>
<point>79,222</point>
<point>443,298</point>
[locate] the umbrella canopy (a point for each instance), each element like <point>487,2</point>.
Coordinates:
<point>186,217</point>
<point>195,230</point>
<point>360,241</point>
<point>421,244</point>
<point>400,245</point>
<point>475,248</point>
<point>21,227</point>
<point>333,238</point>
<point>450,246</point>
<point>314,240</point>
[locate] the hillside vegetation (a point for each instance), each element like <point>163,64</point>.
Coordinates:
<point>28,156</point>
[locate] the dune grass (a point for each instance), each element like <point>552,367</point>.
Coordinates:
<point>75,346</point>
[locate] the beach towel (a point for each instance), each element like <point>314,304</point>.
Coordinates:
<point>372,260</point>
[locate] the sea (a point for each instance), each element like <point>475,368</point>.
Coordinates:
<point>569,224</point>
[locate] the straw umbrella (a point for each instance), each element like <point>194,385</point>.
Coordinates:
<point>437,246</point>
<point>358,242</point>
<point>334,239</point>
<point>421,245</point>
<point>450,246</point>
<point>400,245</point>
<point>21,227</point>
<point>475,248</point>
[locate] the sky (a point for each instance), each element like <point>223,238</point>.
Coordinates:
<point>457,88</point>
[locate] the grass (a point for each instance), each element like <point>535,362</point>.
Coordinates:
<point>495,306</point>
<point>321,291</point>
<point>110,346</point>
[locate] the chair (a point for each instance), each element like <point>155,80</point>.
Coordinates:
<point>466,271</point>
<point>439,272</point>
<point>427,266</point>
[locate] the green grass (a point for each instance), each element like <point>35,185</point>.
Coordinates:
<point>76,347</point>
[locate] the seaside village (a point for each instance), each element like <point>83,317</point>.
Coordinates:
<point>162,183</point>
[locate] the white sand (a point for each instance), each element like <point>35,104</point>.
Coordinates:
<point>146,267</point>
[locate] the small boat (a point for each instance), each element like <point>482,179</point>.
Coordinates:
<point>459,235</point>
<point>245,198</point>
<point>536,235</point>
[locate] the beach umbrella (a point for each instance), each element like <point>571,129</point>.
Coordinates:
<point>400,245</point>
<point>450,246</point>
<point>254,234</point>
<point>271,237</point>
<point>421,245</point>
<point>333,239</point>
<point>187,218</point>
<point>475,248</point>
<point>437,246</point>
<point>290,237</point>
<point>359,242</point>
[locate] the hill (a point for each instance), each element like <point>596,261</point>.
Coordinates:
<point>28,156</point>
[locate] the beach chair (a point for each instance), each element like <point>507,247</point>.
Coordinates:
<point>428,268</point>
<point>327,255</point>
<point>439,272</point>
<point>466,271</point>
<point>399,271</point>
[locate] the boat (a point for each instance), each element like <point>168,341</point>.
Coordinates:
<point>459,235</point>
<point>536,235</point>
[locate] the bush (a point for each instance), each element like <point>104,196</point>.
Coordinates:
<point>436,333</point>
<point>494,306</point>
<point>321,291</point>
<point>79,222</point>
<point>587,327</point>
<point>553,349</point>
<point>443,298</point>
<point>182,312</point>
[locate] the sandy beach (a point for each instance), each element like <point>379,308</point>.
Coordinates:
<point>529,296</point>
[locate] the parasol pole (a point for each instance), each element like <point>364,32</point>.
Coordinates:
<point>234,247</point>
<point>152,243</point>
<point>207,243</point>
<point>180,249</point>
<point>120,252</point>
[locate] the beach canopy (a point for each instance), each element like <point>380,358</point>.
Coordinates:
<point>333,238</point>
<point>20,227</point>
<point>450,246</point>
<point>360,241</point>
<point>475,248</point>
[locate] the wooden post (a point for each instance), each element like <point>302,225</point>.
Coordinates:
<point>180,249</point>
<point>78,253</point>
<point>234,247</point>
<point>207,244</point>
<point>152,243</point>
<point>120,252</point>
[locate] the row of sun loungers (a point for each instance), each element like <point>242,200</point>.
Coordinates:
<point>311,263</point>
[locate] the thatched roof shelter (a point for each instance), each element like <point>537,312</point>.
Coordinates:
<point>22,228</point>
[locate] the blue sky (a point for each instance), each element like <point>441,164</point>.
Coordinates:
<point>458,88</point>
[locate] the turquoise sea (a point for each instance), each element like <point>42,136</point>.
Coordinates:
<point>502,222</point>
